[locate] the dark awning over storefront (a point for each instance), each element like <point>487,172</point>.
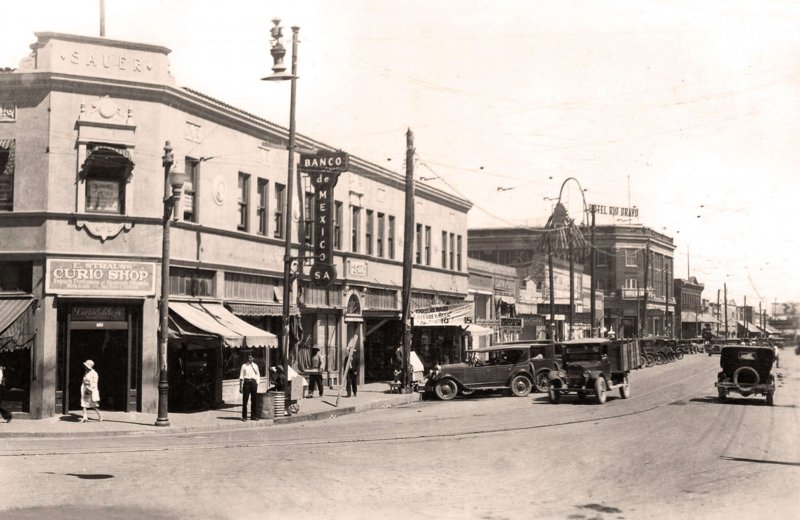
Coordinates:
<point>16,327</point>
<point>212,319</point>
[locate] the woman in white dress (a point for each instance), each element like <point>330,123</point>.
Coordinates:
<point>90,395</point>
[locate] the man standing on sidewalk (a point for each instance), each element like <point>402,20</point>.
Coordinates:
<point>248,386</point>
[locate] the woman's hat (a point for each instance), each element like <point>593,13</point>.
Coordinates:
<point>88,364</point>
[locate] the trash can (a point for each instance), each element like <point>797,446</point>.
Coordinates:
<point>266,406</point>
<point>278,400</point>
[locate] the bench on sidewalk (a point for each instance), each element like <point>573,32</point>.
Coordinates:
<point>395,386</point>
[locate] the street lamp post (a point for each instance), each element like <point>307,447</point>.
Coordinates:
<point>173,182</point>
<point>279,74</point>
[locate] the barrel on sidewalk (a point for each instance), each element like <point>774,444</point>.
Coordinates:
<point>271,405</point>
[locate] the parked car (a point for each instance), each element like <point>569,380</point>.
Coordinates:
<point>504,366</point>
<point>659,348</point>
<point>746,370</point>
<point>715,345</point>
<point>593,366</point>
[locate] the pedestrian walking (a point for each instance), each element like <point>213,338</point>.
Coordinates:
<point>90,395</point>
<point>248,386</point>
<point>352,372</point>
<point>315,373</point>
<point>6,414</point>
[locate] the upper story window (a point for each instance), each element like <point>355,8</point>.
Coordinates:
<point>458,253</point>
<point>444,249</point>
<point>631,283</point>
<point>7,174</point>
<point>262,209</point>
<point>390,239</point>
<point>280,204</point>
<point>452,251</point>
<point>355,233</point>
<point>338,217</point>
<point>191,282</point>
<point>631,258</point>
<point>244,201</point>
<point>189,195</point>
<point>107,171</point>
<point>16,277</point>
<point>427,245</point>
<point>370,225</point>
<point>308,217</point>
<point>381,235</point>
<point>418,241</point>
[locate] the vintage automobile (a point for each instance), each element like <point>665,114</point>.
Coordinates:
<point>746,370</point>
<point>659,350</point>
<point>593,366</point>
<point>545,357</point>
<point>504,366</point>
<point>715,345</point>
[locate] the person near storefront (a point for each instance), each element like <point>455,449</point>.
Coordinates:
<point>315,373</point>
<point>249,376</point>
<point>352,372</point>
<point>90,395</point>
<point>6,414</point>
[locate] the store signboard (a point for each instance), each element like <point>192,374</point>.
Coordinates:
<point>100,277</point>
<point>437,315</point>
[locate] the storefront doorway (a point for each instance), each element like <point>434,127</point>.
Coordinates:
<point>109,335</point>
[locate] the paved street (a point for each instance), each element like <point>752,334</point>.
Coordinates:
<point>671,451</point>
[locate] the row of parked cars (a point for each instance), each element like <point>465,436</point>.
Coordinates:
<point>593,366</point>
<point>589,366</point>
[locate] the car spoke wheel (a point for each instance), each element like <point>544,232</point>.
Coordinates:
<point>625,389</point>
<point>446,390</point>
<point>660,358</point>
<point>542,381</point>
<point>554,394</point>
<point>651,360</point>
<point>600,390</point>
<point>642,361</point>
<point>521,386</point>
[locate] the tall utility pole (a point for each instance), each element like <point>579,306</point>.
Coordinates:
<point>102,18</point>
<point>718,309</point>
<point>593,282</point>
<point>725,296</point>
<point>552,324</point>
<point>408,256</point>
<point>571,289</point>
<point>744,319</point>
<point>643,326</point>
<point>667,332</point>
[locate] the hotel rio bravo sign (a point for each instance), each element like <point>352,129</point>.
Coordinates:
<point>323,170</point>
<point>100,277</point>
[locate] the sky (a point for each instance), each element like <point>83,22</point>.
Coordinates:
<point>687,110</point>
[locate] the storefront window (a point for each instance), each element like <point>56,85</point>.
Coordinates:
<point>233,358</point>
<point>6,174</point>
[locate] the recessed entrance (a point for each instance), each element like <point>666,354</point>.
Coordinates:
<point>109,351</point>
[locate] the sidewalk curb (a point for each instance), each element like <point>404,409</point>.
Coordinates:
<point>390,402</point>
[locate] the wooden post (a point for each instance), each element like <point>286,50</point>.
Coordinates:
<point>593,282</point>
<point>552,334</point>
<point>643,327</point>
<point>408,257</point>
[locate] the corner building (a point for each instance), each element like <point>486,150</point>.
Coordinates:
<point>83,127</point>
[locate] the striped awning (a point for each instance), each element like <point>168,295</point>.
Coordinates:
<point>212,319</point>
<point>260,309</point>
<point>16,323</point>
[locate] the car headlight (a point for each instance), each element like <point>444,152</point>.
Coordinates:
<point>586,375</point>
<point>562,374</point>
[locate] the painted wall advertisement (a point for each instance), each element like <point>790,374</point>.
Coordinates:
<point>100,277</point>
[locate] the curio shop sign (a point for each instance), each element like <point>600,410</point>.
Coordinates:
<point>100,277</point>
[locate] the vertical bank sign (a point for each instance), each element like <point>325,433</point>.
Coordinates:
<point>323,169</point>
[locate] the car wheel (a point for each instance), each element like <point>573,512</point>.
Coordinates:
<point>660,358</point>
<point>542,382</point>
<point>679,354</point>
<point>651,360</point>
<point>625,389</point>
<point>446,390</point>
<point>554,394</point>
<point>769,399</point>
<point>521,386</point>
<point>721,394</point>
<point>600,390</point>
<point>642,361</point>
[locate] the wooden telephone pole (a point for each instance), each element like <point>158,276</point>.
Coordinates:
<point>408,257</point>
